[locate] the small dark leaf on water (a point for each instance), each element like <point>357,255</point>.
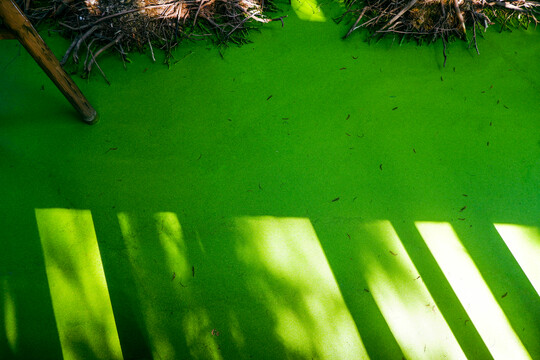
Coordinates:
<point>442,78</point>
<point>454,69</point>
<point>348,116</point>
<point>380,166</point>
<point>394,108</point>
<point>490,123</point>
<point>461,219</point>
<point>463,208</point>
<point>355,57</point>
<point>268,98</point>
<point>488,143</point>
<point>260,187</point>
<point>349,236</point>
<point>366,290</point>
<point>393,253</point>
<point>504,295</point>
<point>464,195</point>
<point>336,199</point>
<point>342,68</point>
<point>414,151</point>
<point>347,134</point>
<point>506,107</point>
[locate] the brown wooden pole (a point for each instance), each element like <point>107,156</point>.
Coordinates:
<point>19,25</point>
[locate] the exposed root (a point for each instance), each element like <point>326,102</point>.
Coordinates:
<point>148,24</point>
<point>433,19</point>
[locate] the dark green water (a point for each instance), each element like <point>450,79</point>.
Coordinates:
<point>279,203</point>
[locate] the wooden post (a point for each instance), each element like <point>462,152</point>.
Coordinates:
<point>22,29</point>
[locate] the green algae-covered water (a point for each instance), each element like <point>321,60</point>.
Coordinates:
<point>303,197</point>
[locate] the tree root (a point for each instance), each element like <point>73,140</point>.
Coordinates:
<point>149,24</point>
<point>433,19</point>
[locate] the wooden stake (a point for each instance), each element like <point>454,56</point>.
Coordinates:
<point>23,30</point>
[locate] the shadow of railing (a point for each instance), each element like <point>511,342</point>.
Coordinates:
<point>144,285</point>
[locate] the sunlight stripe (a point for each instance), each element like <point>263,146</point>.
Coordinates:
<point>79,293</point>
<point>404,300</point>
<point>472,291</point>
<point>524,244</point>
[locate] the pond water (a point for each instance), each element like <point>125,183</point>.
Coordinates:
<point>299,197</point>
